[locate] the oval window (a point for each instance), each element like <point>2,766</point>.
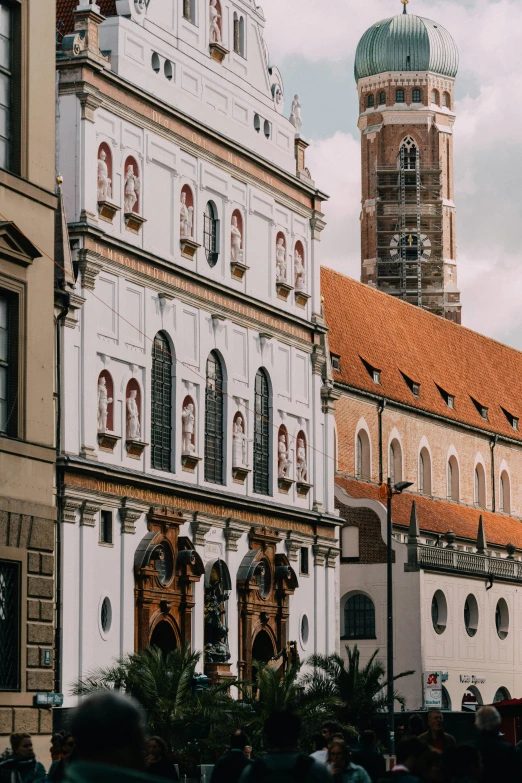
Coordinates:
<point>106,615</point>
<point>502,619</point>
<point>439,612</point>
<point>471,615</point>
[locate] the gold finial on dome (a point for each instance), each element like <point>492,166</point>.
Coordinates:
<point>405,3</point>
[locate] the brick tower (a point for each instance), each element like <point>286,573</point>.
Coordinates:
<point>405,69</point>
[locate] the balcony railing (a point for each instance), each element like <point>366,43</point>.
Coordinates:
<point>464,562</point>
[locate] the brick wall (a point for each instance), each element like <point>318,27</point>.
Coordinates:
<point>372,548</point>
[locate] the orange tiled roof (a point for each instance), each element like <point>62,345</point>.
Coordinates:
<point>398,338</point>
<point>437,516</point>
<point>64,13</point>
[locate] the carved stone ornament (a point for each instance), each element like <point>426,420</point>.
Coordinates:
<point>283,290</point>
<point>107,441</point>
<point>135,448</point>
<point>320,554</point>
<point>284,463</point>
<point>232,536</point>
<point>129,515</point>
<point>69,508</point>
<point>188,247</point>
<point>90,268</point>
<point>107,210</point>
<point>134,222</point>
<point>301,298</point>
<point>303,488</point>
<point>189,458</point>
<point>218,52</point>
<point>89,511</point>
<point>200,528</point>
<point>240,469</point>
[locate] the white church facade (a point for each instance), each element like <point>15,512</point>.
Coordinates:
<point>197,402</point>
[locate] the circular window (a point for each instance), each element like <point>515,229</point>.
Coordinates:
<point>263,578</point>
<point>502,619</point>
<point>439,612</point>
<point>139,5</point>
<point>162,559</point>
<point>471,615</point>
<point>305,630</point>
<point>106,615</point>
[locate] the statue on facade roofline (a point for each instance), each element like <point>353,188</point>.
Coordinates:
<point>103,404</point>
<point>299,270</point>
<point>104,183</point>
<point>280,261</point>
<point>185,218</point>
<point>215,32</point>
<point>236,240</point>
<point>132,188</point>
<point>283,461</point>
<point>239,446</point>
<point>188,424</point>
<point>301,466</point>
<point>296,117</point>
<point>133,417</point>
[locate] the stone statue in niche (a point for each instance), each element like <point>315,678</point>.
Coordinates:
<point>188,424</point>
<point>103,404</point>
<point>301,467</point>
<point>239,446</point>
<point>280,261</point>
<point>216,632</point>
<point>132,188</point>
<point>133,417</point>
<point>299,271</point>
<point>236,241</point>
<point>215,32</point>
<point>185,218</point>
<point>296,117</point>
<point>283,458</point>
<point>104,183</point>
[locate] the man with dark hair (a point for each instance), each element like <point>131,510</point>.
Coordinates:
<point>229,767</point>
<point>415,725</point>
<point>109,734</point>
<point>408,753</point>
<point>329,729</point>
<point>369,756</point>
<point>435,737</point>
<point>283,763</point>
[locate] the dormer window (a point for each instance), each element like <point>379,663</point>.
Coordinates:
<point>449,399</point>
<point>413,386</point>
<point>512,419</point>
<point>336,362</point>
<point>373,372</point>
<point>483,411</point>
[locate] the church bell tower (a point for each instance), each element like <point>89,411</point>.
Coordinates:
<point>405,69</point>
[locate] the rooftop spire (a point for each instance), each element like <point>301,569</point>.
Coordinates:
<point>405,3</point>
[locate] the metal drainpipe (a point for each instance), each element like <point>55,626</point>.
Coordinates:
<point>380,410</point>
<point>59,488</point>
<point>492,444</point>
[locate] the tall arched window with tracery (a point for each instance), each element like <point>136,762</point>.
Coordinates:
<point>453,479</point>
<point>395,466</point>
<point>480,486</point>
<point>161,402</point>
<point>214,439</point>
<point>262,434</point>
<point>505,493</point>
<point>409,153</point>
<point>362,456</point>
<point>424,472</point>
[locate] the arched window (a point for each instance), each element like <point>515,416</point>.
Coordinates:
<point>424,472</point>
<point>155,62</point>
<point>359,617</point>
<point>239,35</point>
<point>435,97</point>
<point>416,96</point>
<point>262,435</point>
<point>382,98</point>
<point>214,421</point>
<point>480,486</point>
<point>370,101</point>
<point>211,233</point>
<point>446,100</point>
<point>399,96</point>
<point>161,404</point>
<point>409,153</point>
<point>395,466</point>
<point>453,479</point>
<point>362,461</point>
<point>505,493</point>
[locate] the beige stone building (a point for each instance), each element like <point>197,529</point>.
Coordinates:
<point>27,455</point>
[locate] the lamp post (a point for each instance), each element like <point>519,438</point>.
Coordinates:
<point>391,490</point>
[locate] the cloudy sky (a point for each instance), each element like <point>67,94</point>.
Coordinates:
<point>313,42</point>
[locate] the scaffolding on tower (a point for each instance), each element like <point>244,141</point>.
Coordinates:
<point>410,260</point>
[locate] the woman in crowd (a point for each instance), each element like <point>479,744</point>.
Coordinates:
<point>22,766</point>
<point>158,762</point>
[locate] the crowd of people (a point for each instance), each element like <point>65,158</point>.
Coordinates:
<point>107,744</point>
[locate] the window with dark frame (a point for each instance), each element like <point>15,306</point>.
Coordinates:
<point>10,602</point>
<point>370,102</point>
<point>106,536</point>
<point>262,435</point>
<point>304,557</point>
<point>9,89</point>
<point>8,363</point>
<point>161,404</point>
<point>399,96</point>
<point>211,234</point>
<point>359,617</point>
<point>416,96</point>
<point>189,10</point>
<point>382,98</point>
<point>336,362</point>
<point>214,440</point>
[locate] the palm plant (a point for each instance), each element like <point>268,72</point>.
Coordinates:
<point>361,690</point>
<point>187,719</point>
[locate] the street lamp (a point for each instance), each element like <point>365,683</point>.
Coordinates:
<point>391,490</point>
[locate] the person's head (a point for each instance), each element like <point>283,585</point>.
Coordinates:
<point>156,748</point>
<point>338,755</point>
<point>234,220</point>
<point>108,728</point>
<point>461,762</point>
<point>368,740</point>
<point>56,743</point>
<point>435,720</point>
<point>248,751</point>
<point>282,729</point>
<point>67,744</point>
<point>318,742</point>
<point>488,720</point>
<point>103,154</point>
<point>415,725</point>
<point>409,750</point>
<point>329,728</point>
<point>238,740</point>
<point>21,744</point>
<point>429,766</point>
